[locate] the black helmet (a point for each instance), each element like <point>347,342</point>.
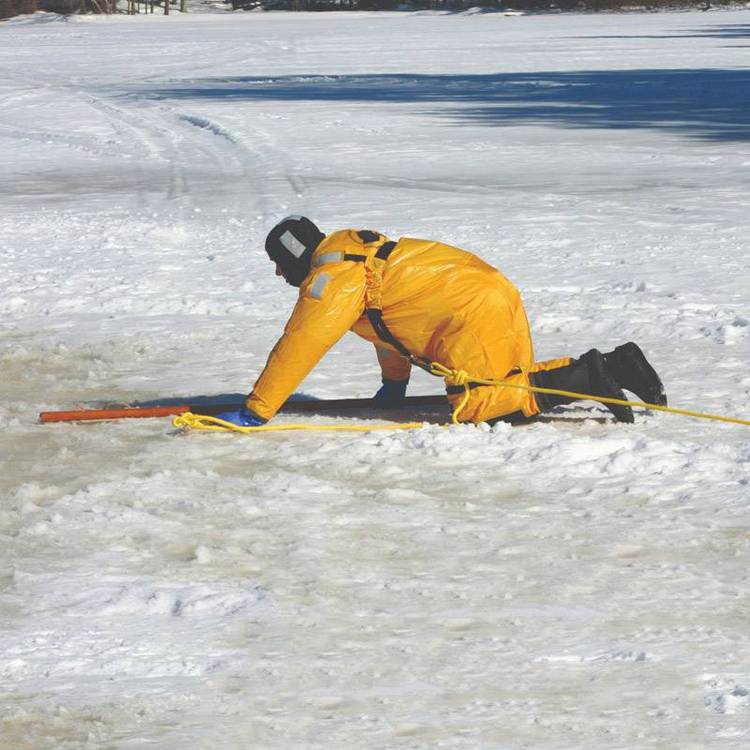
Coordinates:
<point>291,244</point>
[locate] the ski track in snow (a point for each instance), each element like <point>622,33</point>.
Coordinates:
<point>580,585</point>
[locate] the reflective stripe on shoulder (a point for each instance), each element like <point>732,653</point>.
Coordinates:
<point>319,285</point>
<point>325,258</point>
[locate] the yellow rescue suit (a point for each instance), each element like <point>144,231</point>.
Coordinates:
<point>441,303</point>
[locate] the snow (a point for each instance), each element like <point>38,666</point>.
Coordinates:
<point>582,585</point>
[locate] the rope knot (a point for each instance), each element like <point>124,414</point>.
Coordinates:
<point>452,377</point>
<point>458,377</point>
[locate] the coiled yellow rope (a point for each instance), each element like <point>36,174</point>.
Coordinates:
<point>452,377</point>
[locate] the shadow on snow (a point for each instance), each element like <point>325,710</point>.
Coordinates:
<point>707,104</point>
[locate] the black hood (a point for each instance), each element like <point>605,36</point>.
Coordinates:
<point>291,244</point>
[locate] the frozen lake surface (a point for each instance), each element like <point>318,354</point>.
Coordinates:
<point>550,587</point>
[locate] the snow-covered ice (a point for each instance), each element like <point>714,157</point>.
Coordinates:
<point>583,586</point>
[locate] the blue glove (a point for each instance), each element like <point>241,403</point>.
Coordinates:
<point>391,394</point>
<point>242,418</point>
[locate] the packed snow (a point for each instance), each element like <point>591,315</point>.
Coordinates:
<point>577,585</point>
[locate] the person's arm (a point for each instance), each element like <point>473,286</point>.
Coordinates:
<point>393,366</point>
<point>331,300</point>
<point>395,371</point>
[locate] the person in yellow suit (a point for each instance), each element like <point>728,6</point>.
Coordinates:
<point>421,301</point>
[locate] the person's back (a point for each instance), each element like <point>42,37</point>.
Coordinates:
<point>443,304</point>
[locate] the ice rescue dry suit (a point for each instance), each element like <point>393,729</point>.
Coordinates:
<point>441,303</point>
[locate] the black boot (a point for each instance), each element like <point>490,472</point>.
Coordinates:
<point>630,369</point>
<point>584,375</point>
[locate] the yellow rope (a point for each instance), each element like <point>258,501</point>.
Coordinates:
<point>189,420</point>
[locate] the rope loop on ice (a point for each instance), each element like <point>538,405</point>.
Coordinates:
<point>190,421</point>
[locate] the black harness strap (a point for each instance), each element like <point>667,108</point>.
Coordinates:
<point>375,316</point>
<point>367,236</point>
<point>385,250</point>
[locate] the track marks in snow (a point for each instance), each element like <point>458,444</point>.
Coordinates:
<point>165,154</point>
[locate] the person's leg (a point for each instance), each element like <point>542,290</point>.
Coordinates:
<point>527,409</point>
<point>479,350</point>
<point>493,345</point>
<point>588,375</point>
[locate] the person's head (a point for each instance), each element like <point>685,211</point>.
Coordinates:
<point>290,245</point>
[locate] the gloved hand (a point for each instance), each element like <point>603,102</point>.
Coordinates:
<point>391,394</point>
<point>242,418</point>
